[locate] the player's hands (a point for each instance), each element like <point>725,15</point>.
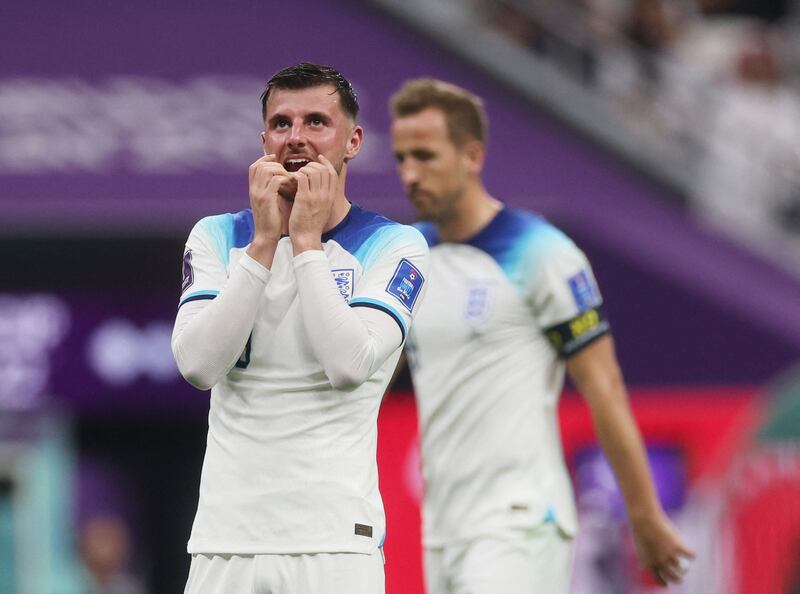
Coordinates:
<point>270,209</point>
<point>317,185</point>
<point>661,549</point>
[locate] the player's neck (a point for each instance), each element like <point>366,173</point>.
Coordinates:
<point>475,211</point>
<point>341,206</point>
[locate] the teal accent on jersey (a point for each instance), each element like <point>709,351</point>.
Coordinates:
<point>219,231</point>
<point>550,516</point>
<point>198,295</point>
<point>517,241</point>
<point>367,235</point>
<point>380,241</point>
<point>228,231</point>
<point>367,301</point>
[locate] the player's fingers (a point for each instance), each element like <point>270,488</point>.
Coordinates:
<point>681,564</point>
<point>657,575</point>
<point>327,164</point>
<point>302,184</point>
<point>314,172</point>
<point>265,159</point>
<point>333,178</point>
<point>274,184</point>
<point>264,170</point>
<point>670,572</point>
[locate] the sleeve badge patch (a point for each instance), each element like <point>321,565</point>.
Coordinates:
<point>344,282</point>
<point>406,284</point>
<point>583,290</point>
<point>188,271</point>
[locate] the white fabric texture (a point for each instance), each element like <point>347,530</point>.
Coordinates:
<point>290,463</point>
<point>209,335</point>
<point>351,343</point>
<point>320,573</point>
<point>487,380</point>
<point>533,561</point>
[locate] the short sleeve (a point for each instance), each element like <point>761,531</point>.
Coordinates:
<point>204,263</point>
<point>563,293</point>
<point>395,274</point>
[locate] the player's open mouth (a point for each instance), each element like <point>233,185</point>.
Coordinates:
<point>295,164</point>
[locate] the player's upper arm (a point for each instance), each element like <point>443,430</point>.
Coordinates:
<point>395,276</point>
<point>564,296</point>
<point>204,271</point>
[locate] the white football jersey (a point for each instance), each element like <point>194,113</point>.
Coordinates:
<point>486,355</point>
<point>290,464</point>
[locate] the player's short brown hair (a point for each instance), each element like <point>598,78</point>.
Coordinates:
<point>305,75</point>
<point>464,112</point>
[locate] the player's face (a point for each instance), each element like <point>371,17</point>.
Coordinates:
<point>302,124</point>
<point>433,170</point>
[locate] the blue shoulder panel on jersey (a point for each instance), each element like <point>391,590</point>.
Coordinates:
<point>429,232</point>
<point>509,238</point>
<point>227,231</point>
<point>242,228</point>
<point>375,304</point>
<point>364,234</point>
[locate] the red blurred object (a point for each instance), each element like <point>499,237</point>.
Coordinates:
<point>707,424</point>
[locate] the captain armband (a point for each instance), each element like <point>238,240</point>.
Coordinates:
<point>571,336</point>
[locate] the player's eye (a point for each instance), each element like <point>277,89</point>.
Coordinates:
<point>316,122</point>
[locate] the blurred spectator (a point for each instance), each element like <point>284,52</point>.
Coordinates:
<point>515,24</point>
<point>651,31</point>
<point>105,503</point>
<point>553,30</point>
<point>638,69</point>
<point>105,547</point>
<point>768,10</point>
<point>751,168</point>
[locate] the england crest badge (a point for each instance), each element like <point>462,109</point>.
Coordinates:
<point>344,282</point>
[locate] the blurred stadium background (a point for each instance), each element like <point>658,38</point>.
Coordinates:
<point>663,135</point>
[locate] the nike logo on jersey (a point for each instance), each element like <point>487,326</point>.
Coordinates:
<point>188,271</point>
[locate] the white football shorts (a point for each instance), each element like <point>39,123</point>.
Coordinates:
<point>534,561</point>
<point>320,573</point>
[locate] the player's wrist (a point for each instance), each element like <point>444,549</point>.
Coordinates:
<point>304,242</point>
<point>262,250</point>
<point>644,515</point>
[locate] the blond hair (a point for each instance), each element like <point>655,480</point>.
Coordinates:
<point>463,111</point>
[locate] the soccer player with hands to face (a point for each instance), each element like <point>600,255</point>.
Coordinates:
<point>294,312</point>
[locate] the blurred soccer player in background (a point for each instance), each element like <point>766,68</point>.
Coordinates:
<point>512,302</point>
<point>294,312</point>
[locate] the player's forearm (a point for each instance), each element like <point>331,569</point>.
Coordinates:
<point>597,375</point>
<point>350,346</point>
<point>209,336</point>
<point>623,446</point>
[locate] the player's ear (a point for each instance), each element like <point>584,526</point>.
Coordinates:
<point>264,142</point>
<point>354,143</point>
<point>475,153</point>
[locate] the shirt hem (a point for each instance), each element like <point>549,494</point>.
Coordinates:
<point>499,531</point>
<point>211,548</point>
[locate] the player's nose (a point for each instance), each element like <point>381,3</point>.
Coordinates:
<point>297,135</point>
<point>408,175</point>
